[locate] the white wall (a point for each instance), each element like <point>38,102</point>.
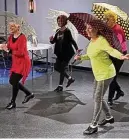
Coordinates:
<point>43,28</point>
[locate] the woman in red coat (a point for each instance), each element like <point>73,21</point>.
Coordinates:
<point>21,63</point>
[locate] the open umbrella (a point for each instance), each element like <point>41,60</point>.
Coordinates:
<point>80,19</point>
<point>52,18</point>
<point>6,17</point>
<point>123,20</point>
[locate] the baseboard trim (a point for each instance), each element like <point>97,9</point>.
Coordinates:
<point>90,69</point>
<point>79,68</point>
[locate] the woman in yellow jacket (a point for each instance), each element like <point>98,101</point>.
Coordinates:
<point>98,53</point>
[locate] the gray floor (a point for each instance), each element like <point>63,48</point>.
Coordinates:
<point>61,115</point>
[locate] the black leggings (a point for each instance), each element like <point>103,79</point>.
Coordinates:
<point>114,86</point>
<point>16,85</point>
<point>61,66</point>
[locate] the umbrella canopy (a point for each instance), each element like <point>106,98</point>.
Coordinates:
<point>80,19</point>
<point>98,9</point>
<point>6,17</point>
<point>52,18</point>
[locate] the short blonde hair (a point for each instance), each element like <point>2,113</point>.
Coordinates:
<point>14,24</point>
<point>109,14</point>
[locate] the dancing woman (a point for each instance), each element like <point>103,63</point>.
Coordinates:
<point>98,53</point>
<point>21,63</point>
<point>64,51</point>
<point>111,19</point>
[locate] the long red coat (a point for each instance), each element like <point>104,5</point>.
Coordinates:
<point>21,63</point>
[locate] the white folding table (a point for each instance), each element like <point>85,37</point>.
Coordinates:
<point>40,46</point>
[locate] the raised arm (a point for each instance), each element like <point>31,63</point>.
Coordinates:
<point>84,57</point>
<point>5,46</point>
<point>53,39</point>
<point>105,46</point>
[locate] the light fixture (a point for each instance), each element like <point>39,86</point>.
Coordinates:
<point>32,6</point>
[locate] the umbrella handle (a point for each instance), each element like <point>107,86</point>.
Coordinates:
<point>78,53</point>
<point>55,33</point>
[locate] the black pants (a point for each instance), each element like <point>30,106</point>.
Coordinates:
<point>61,67</point>
<point>16,85</point>
<point>114,86</point>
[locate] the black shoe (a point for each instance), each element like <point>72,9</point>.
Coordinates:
<point>105,121</point>
<point>11,105</point>
<point>90,130</point>
<point>110,103</point>
<point>27,98</point>
<point>70,81</point>
<point>59,89</point>
<point>118,95</point>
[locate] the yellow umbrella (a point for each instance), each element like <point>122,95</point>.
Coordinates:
<point>123,20</point>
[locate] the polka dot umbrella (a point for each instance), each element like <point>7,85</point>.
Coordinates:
<point>98,10</point>
<point>80,19</point>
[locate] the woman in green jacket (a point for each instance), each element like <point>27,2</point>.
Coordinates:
<point>98,53</point>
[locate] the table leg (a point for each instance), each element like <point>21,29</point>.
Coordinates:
<point>32,63</point>
<point>47,60</point>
